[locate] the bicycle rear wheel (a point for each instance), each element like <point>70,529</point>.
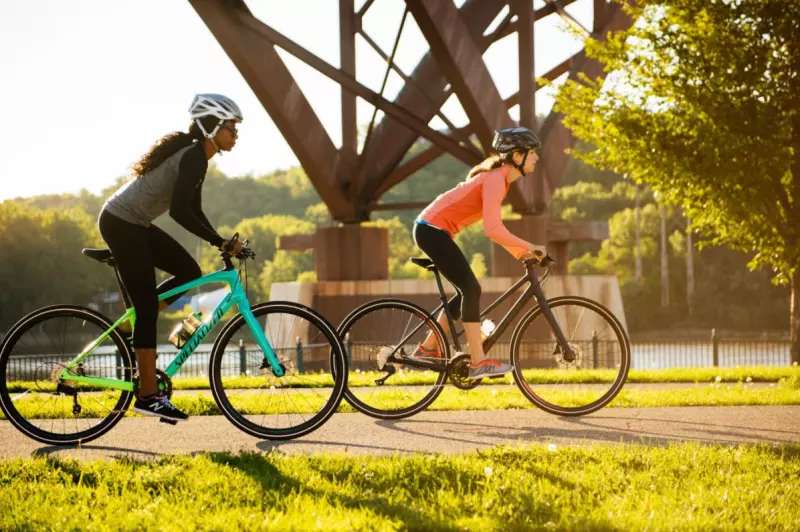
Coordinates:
<point>571,387</point>
<point>49,409</point>
<point>392,327</point>
<point>278,408</point>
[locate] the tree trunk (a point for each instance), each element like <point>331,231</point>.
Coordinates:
<point>794,318</point>
<point>689,268</point>
<point>664,262</point>
<point>637,250</point>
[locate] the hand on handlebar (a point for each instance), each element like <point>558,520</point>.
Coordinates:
<point>535,254</point>
<point>237,248</point>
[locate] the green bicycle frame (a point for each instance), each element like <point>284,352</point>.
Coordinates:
<point>236,296</point>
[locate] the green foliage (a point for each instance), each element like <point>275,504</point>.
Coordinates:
<point>285,266</point>
<point>42,263</point>
<point>703,106</point>
<point>727,295</point>
<point>401,248</point>
<point>590,200</point>
<point>318,214</point>
<point>478,265</point>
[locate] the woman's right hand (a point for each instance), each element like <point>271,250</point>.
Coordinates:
<point>233,246</point>
<point>535,252</point>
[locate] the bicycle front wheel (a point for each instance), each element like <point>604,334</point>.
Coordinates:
<point>278,408</point>
<point>408,381</point>
<point>550,379</point>
<point>42,405</point>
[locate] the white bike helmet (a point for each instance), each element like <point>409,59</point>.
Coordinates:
<point>216,105</point>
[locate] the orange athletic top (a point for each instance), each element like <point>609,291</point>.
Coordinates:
<point>473,199</point>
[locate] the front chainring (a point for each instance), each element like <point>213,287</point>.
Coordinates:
<point>458,371</point>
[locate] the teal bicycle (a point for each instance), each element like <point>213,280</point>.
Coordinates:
<point>277,370</point>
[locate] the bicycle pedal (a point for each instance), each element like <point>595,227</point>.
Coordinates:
<point>167,421</point>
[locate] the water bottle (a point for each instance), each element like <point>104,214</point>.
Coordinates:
<point>184,330</point>
<point>487,328</point>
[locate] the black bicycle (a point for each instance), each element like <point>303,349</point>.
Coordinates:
<point>570,354</point>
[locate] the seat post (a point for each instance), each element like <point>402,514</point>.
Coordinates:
<point>446,308</point>
<point>125,298</point>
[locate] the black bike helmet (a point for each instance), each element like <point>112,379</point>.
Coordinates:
<point>511,139</point>
<point>515,138</point>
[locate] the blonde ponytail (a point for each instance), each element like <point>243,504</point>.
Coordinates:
<point>490,163</point>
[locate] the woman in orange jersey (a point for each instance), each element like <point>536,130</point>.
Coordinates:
<point>480,196</point>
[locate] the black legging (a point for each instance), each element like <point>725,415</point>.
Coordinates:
<point>138,251</point>
<point>438,245</point>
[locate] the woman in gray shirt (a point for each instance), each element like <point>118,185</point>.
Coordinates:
<point>168,177</point>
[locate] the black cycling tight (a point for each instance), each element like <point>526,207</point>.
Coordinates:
<point>451,262</point>
<point>138,251</point>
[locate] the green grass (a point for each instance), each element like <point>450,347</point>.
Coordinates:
<point>625,487</point>
<point>786,392</point>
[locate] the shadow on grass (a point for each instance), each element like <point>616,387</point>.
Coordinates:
<point>55,450</point>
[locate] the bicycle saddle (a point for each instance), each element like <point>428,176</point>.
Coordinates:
<point>101,255</point>
<point>424,262</point>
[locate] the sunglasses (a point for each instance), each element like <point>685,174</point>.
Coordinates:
<point>232,129</point>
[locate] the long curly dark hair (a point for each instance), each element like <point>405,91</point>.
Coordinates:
<point>170,143</point>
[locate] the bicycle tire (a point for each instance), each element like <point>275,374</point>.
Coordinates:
<point>370,328</point>
<point>22,337</point>
<point>242,410</point>
<point>545,372</point>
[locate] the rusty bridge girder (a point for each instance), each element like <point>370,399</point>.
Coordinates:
<point>351,183</point>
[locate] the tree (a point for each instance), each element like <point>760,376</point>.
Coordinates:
<point>42,262</point>
<point>702,103</point>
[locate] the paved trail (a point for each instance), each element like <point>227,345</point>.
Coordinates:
<point>437,432</point>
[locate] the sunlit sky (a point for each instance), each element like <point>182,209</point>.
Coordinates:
<point>88,85</point>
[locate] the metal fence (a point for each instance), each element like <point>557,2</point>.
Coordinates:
<point>311,357</point>
<point>652,354</point>
<point>711,353</point>
<point>235,361</point>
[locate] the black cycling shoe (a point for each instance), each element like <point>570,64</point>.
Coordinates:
<point>159,405</point>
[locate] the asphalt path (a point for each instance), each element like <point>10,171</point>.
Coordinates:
<point>435,432</point>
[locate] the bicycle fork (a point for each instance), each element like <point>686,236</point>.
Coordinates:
<point>561,340</point>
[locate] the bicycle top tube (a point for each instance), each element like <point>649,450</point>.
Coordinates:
<point>229,277</point>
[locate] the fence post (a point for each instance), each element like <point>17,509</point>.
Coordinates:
<point>242,358</point>
<point>299,352</point>
<point>714,348</point>
<point>118,358</point>
<point>594,348</point>
<point>347,348</point>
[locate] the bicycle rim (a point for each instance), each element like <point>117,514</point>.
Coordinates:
<point>386,327</point>
<point>40,405</point>
<point>271,407</point>
<point>571,387</point>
